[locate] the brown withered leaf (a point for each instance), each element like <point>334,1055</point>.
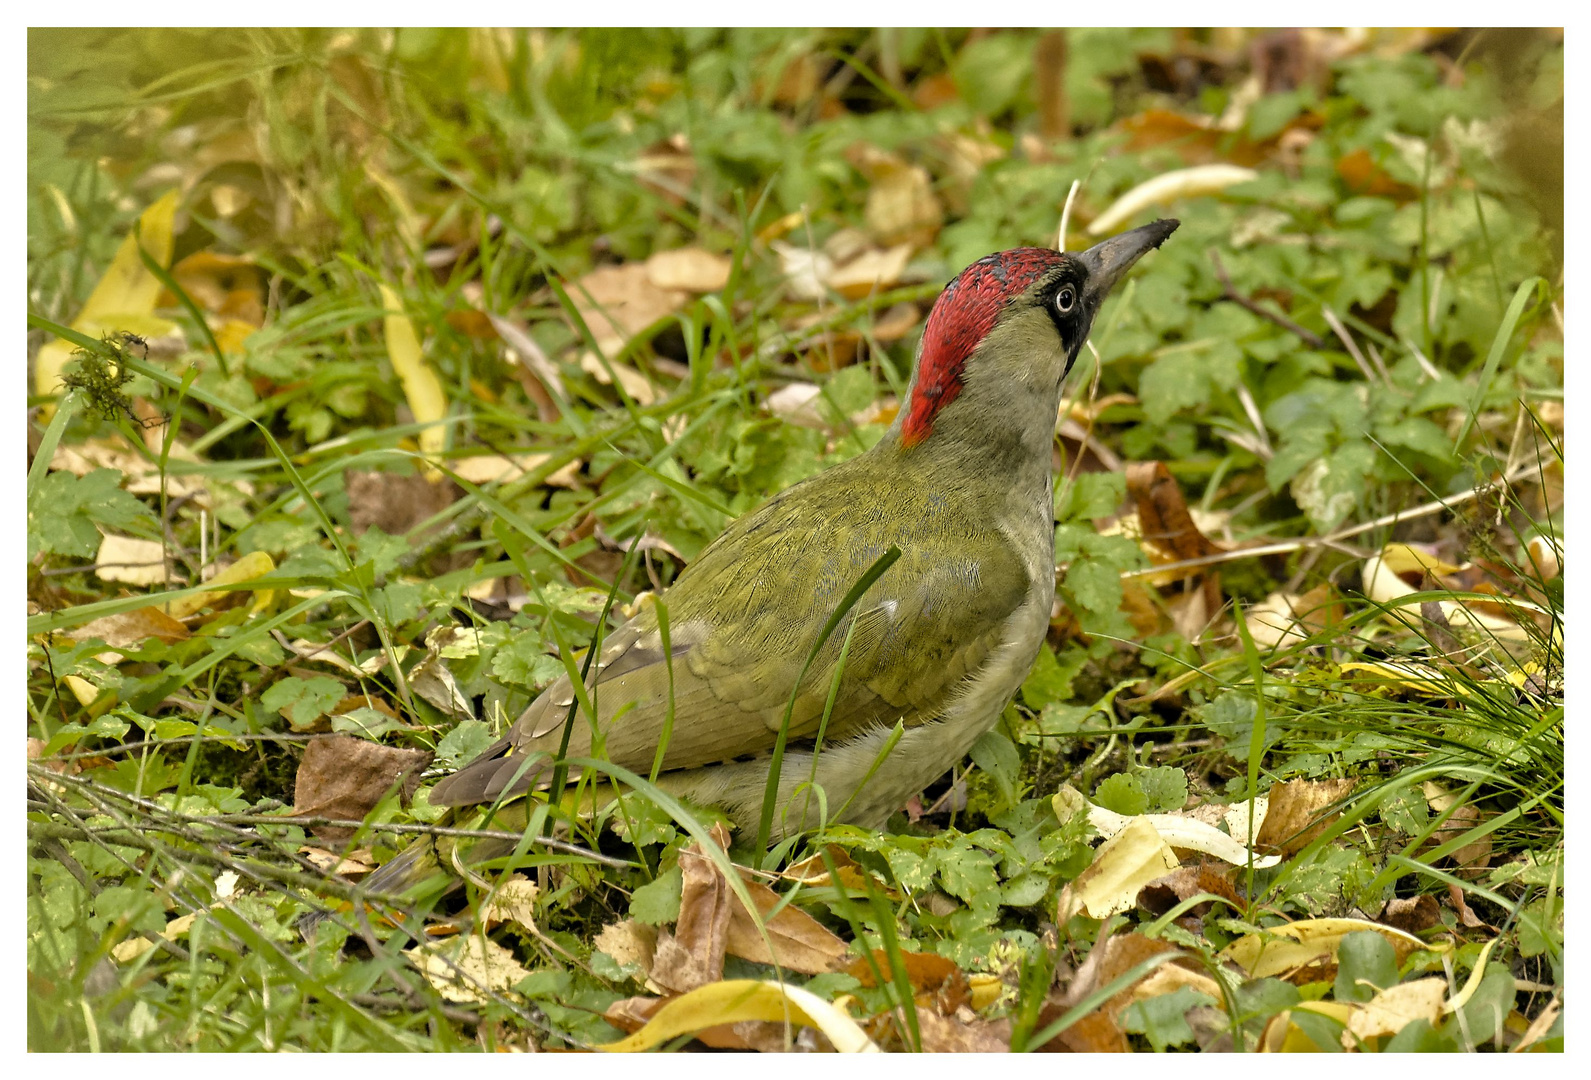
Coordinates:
<point>896,323</point>
<point>1109,958</point>
<point>901,205</point>
<point>1472,859</point>
<point>1095,1033</point>
<point>693,955</point>
<point>1363,176</point>
<point>800,942</point>
<point>1167,528</point>
<point>814,871</point>
<point>1466,914</point>
<point>938,983</point>
<point>962,1033</point>
<point>351,865</point>
<point>344,777</point>
<point>1163,894</point>
<point>394,503</point>
<point>869,272</point>
<point>132,628</point>
<point>1412,914</point>
<point>618,302</point>
<point>1163,512</point>
<point>1297,813</point>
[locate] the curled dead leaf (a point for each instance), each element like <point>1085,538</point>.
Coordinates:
<point>1298,813</point>
<point>1167,188</point>
<point>343,777</point>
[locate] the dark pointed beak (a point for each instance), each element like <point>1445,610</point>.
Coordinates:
<point>1109,260</point>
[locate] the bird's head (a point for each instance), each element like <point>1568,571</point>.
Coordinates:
<point>1007,329</point>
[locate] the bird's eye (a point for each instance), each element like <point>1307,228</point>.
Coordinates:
<point>1066,300</point>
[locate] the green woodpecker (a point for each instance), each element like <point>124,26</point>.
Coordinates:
<point>961,484</point>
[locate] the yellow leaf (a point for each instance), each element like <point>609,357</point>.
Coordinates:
<point>1281,1035</point>
<point>126,290</point>
<point>1124,864</point>
<point>130,560</point>
<point>736,1000</point>
<point>1283,948</point>
<point>468,969</point>
<point>1166,188</point>
<point>421,386</point>
<point>1394,1008</point>
<point>249,567</point>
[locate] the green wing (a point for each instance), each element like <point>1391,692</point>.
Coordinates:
<point>743,618</point>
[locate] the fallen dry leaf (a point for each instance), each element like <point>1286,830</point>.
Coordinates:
<point>1095,1033</point>
<point>688,269</point>
<point>433,682</point>
<point>760,1036</point>
<point>224,285</point>
<point>1394,1008</point>
<point>479,966</point>
<point>1167,529</point>
<point>343,777</point>
<point>352,864</point>
<point>795,403</point>
<point>1282,1035</point>
<point>628,942</point>
<point>1167,188</point>
<point>512,899</point>
<point>737,1000</point>
<point>813,871</point>
<point>422,388</point>
<point>491,468</point>
<point>123,299</point>
<point>1186,882</point>
<point>1413,914</point>
<point>618,302</point>
<point>1472,858</point>
<point>937,983</point>
<point>132,628</point>
<point>1297,813</point>
<point>1285,619</point>
<point>799,942</point>
<point>254,564</point>
<point>901,205</point>
<point>1466,914</point>
<point>870,272</point>
<point>962,1035</point>
<point>635,384</point>
<point>1282,949</point>
<point>693,955</point>
<point>131,561</point>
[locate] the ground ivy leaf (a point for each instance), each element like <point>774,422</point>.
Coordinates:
<point>1165,786</point>
<point>657,902</point>
<point>1163,1020</point>
<point>1122,793</point>
<point>464,743</point>
<point>303,701</point>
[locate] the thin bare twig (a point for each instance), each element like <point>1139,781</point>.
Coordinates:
<point>1229,292</point>
<point>1283,547</point>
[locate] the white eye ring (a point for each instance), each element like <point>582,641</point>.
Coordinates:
<point>1065,300</point>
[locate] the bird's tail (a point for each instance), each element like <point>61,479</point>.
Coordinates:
<point>412,867</point>
<point>429,868</point>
